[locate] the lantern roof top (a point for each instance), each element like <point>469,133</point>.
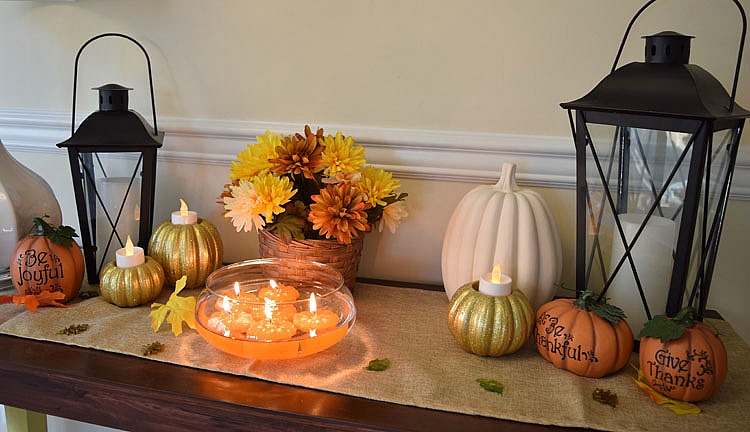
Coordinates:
<point>114,131</point>
<point>661,89</point>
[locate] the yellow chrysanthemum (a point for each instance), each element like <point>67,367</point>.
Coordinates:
<point>341,155</point>
<point>255,158</point>
<point>376,184</point>
<point>241,204</point>
<point>273,192</point>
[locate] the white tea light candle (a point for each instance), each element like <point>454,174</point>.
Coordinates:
<point>495,283</point>
<point>184,216</point>
<point>129,256</point>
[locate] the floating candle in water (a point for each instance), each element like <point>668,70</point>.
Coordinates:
<point>279,292</point>
<point>270,329</point>
<point>315,320</point>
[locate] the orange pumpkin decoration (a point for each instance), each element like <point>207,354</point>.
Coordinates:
<point>47,260</point>
<point>682,358</point>
<point>583,336</point>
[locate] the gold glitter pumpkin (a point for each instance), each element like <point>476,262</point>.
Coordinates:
<point>131,286</point>
<point>193,250</point>
<point>489,325</point>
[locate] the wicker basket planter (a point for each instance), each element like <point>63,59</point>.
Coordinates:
<point>344,258</point>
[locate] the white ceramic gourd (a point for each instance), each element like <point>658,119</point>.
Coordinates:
<point>507,225</point>
<point>24,195</point>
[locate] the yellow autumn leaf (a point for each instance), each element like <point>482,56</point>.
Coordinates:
<point>176,311</point>
<point>158,315</point>
<point>677,407</point>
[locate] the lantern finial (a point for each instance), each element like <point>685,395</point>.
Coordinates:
<point>113,97</point>
<point>668,47</point>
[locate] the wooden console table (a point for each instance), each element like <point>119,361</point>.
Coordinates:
<point>131,393</point>
<point>104,380</point>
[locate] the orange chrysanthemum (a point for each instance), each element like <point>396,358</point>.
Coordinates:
<point>299,155</point>
<point>339,212</point>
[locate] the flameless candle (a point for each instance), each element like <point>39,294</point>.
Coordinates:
<point>652,256</point>
<point>184,216</point>
<point>129,256</point>
<point>495,283</point>
<point>315,320</point>
<point>112,190</point>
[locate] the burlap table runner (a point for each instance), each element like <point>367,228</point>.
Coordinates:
<point>428,368</point>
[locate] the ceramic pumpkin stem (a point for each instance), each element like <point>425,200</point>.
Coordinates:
<point>507,182</point>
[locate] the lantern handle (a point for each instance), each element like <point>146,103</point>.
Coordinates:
<point>739,54</point>
<point>148,64</point>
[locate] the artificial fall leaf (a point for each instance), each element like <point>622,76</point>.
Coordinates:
<point>677,407</point>
<point>73,329</point>
<point>32,301</point>
<point>378,365</point>
<point>152,349</point>
<point>605,397</point>
<point>176,311</point>
<point>491,385</point>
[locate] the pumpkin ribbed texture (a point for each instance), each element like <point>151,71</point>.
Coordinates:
<point>691,368</point>
<point>507,225</point>
<point>580,341</point>
<point>490,325</point>
<point>38,264</point>
<point>192,250</point>
<point>131,286</point>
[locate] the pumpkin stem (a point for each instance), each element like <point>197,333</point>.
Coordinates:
<point>62,235</point>
<point>666,328</point>
<point>587,301</point>
<point>507,182</point>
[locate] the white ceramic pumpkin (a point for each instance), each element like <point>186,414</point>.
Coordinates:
<point>507,225</point>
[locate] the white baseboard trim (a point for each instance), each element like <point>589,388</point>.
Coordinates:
<point>542,161</point>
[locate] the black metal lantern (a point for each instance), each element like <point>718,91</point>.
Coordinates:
<point>105,140</point>
<point>656,144</point>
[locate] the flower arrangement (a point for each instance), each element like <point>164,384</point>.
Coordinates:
<point>310,186</point>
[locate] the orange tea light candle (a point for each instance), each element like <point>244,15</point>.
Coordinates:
<point>279,292</point>
<point>269,329</point>
<point>315,320</point>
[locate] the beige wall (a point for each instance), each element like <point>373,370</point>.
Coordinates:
<point>499,66</point>
<point>492,65</point>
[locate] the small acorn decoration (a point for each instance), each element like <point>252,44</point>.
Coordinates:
<point>132,279</point>
<point>489,318</point>
<point>186,245</point>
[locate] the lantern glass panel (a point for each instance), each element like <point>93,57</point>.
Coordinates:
<point>705,238</point>
<point>636,183</point>
<point>117,184</point>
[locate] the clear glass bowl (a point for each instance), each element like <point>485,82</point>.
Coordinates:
<point>241,313</point>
